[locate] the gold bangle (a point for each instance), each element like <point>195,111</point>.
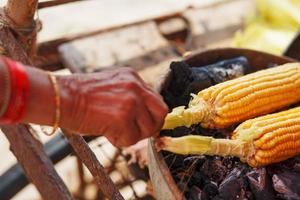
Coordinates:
<point>57,104</point>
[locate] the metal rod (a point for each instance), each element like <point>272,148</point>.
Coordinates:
<point>37,166</point>
<point>21,18</point>
<point>21,12</point>
<point>46,4</point>
<point>27,149</point>
<point>90,160</point>
<point>12,47</point>
<point>82,181</point>
<point>14,180</point>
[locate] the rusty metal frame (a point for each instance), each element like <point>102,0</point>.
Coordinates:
<point>27,149</point>
<point>87,156</point>
<point>51,3</point>
<point>37,166</point>
<point>18,38</point>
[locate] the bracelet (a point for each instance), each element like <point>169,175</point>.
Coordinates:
<point>57,104</point>
<point>19,85</point>
<point>7,90</point>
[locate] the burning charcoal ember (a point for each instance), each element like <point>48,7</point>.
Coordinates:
<point>195,193</point>
<point>261,184</point>
<point>209,191</point>
<point>233,186</point>
<point>287,184</point>
<point>187,80</point>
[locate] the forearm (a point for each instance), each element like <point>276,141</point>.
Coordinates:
<point>41,103</point>
<point>40,106</point>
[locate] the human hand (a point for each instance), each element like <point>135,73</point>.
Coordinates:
<point>113,103</point>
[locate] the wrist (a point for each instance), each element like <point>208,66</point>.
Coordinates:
<point>66,101</point>
<point>41,103</point>
<point>42,99</point>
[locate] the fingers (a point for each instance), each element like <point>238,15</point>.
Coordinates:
<point>157,108</point>
<point>122,107</point>
<point>145,122</point>
<point>124,136</point>
<point>154,107</point>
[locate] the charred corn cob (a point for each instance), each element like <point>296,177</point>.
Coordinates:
<point>259,141</point>
<point>240,99</point>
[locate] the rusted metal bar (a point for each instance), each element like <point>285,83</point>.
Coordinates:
<point>37,166</point>
<point>21,17</point>
<point>14,180</point>
<point>28,150</point>
<point>46,4</point>
<point>11,46</point>
<point>90,160</point>
<point>82,181</point>
<point>21,12</point>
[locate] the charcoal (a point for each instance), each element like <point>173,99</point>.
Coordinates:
<point>182,186</point>
<point>233,186</point>
<point>213,177</point>
<point>296,165</point>
<point>290,164</point>
<point>177,132</point>
<point>229,162</point>
<point>199,179</point>
<point>174,161</point>
<point>261,184</point>
<point>286,183</point>
<point>223,70</point>
<point>215,169</point>
<point>195,160</point>
<point>181,77</point>
<point>195,193</point>
<point>209,191</point>
<point>216,133</point>
<point>217,198</point>
<point>192,79</point>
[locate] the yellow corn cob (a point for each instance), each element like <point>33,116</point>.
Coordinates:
<point>259,142</point>
<point>240,99</point>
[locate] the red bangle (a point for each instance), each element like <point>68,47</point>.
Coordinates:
<point>19,92</point>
